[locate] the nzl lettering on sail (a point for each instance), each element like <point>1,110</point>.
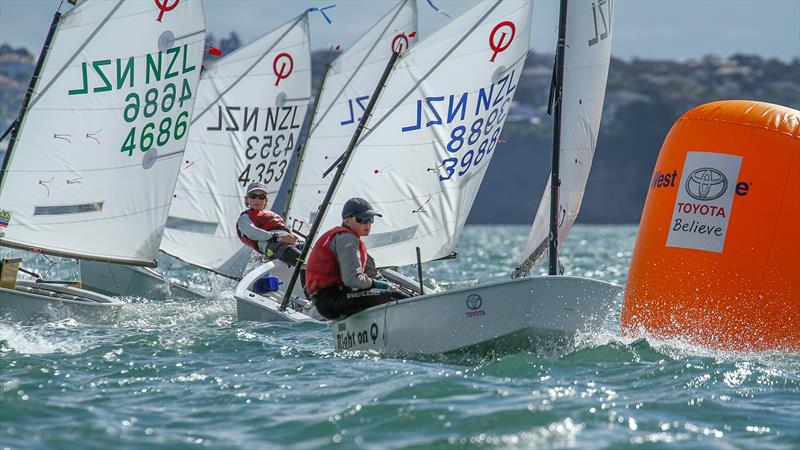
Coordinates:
<point>105,75</point>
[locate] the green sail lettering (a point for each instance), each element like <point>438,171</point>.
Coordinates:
<point>104,80</point>
<point>85,87</point>
<point>153,68</point>
<point>106,84</point>
<point>174,51</point>
<point>185,52</point>
<point>123,75</point>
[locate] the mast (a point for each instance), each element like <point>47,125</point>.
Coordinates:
<point>555,180</point>
<point>335,181</point>
<point>28,95</point>
<point>302,149</point>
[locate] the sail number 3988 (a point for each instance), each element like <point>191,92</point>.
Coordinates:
<point>463,138</point>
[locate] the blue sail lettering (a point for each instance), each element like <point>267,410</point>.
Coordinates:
<point>483,99</point>
<point>416,126</point>
<point>487,99</point>
<point>460,106</point>
<point>438,120</point>
<point>500,96</point>
<point>510,87</point>
<point>351,119</point>
<point>360,102</point>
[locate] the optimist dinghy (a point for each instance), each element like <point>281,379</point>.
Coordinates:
<point>26,301</point>
<point>94,152</point>
<point>505,315</point>
<point>246,123</point>
<point>421,161</point>
<point>339,105</point>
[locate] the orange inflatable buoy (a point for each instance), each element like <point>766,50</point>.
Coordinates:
<point>717,257</point>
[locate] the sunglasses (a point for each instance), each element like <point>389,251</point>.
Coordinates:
<point>370,220</point>
<point>257,196</point>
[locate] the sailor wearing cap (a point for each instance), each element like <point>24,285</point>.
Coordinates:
<point>335,273</point>
<point>263,230</point>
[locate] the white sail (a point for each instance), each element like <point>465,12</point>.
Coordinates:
<point>433,132</point>
<point>248,116</point>
<point>345,92</point>
<point>586,60</point>
<point>94,163</point>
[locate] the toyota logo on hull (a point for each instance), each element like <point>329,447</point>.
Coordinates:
<point>706,184</point>
<point>474,301</point>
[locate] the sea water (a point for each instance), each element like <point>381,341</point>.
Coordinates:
<point>189,375</point>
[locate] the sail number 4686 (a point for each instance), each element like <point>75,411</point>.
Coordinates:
<point>161,137</point>
<point>156,133</point>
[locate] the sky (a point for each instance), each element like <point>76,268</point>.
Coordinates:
<point>646,29</point>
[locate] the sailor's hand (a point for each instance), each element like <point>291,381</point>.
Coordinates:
<point>380,284</point>
<point>289,239</point>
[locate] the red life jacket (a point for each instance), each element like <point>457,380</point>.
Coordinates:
<point>322,269</point>
<point>264,219</point>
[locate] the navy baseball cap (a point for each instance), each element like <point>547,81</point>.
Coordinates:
<point>359,208</point>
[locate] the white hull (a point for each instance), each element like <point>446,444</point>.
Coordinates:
<point>510,315</point>
<point>124,280</point>
<point>265,307</point>
<point>504,316</point>
<point>32,301</point>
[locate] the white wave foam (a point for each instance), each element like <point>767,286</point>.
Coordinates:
<point>681,348</point>
<point>37,341</point>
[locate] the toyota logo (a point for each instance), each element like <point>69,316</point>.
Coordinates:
<point>474,301</point>
<point>706,184</point>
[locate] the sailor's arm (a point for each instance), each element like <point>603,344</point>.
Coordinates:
<point>249,229</point>
<point>346,248</point>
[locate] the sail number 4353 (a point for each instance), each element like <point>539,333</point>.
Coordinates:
<point>262,148</point>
